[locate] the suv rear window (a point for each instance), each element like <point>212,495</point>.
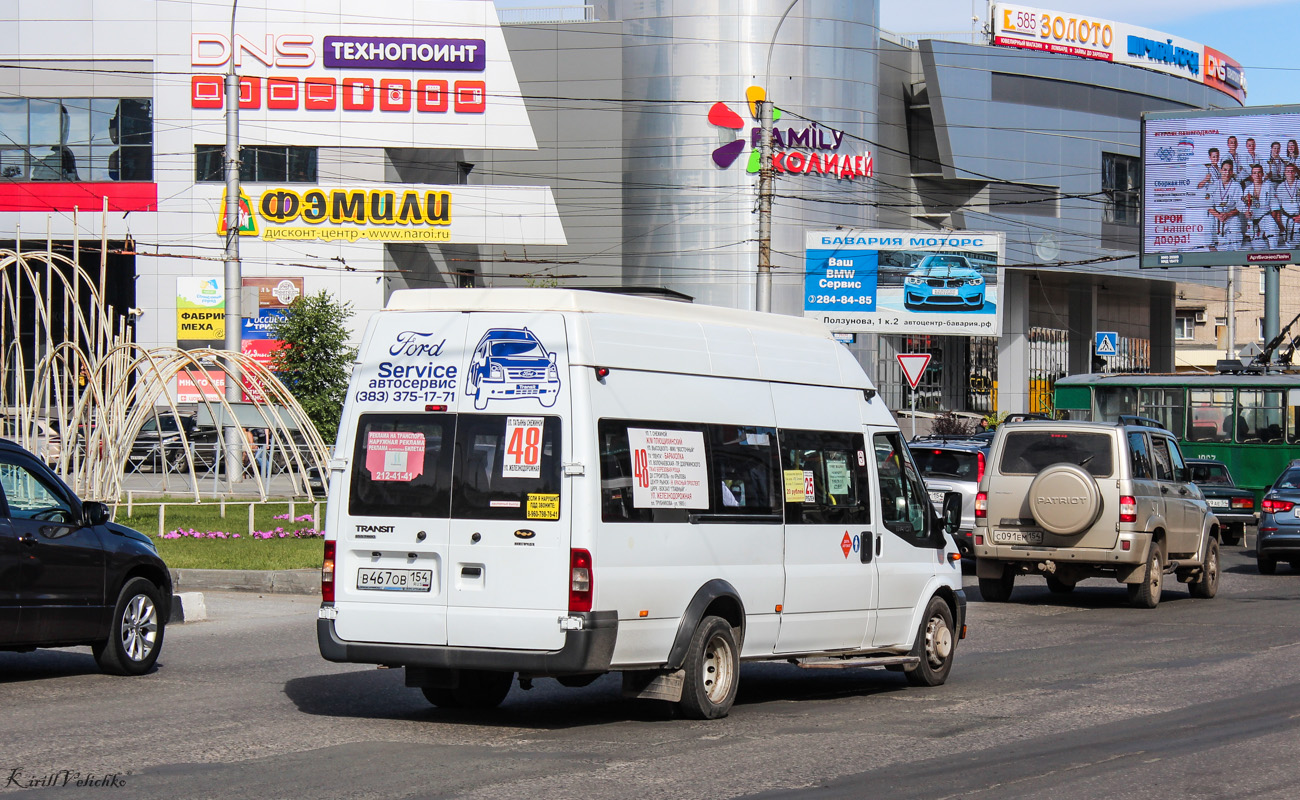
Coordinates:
<point>1029,452</point>
<point>935,462</point>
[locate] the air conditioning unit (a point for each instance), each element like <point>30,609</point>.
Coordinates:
<point>1200,317</point>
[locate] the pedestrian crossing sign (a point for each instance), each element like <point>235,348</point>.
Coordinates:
<point>1107,343</point>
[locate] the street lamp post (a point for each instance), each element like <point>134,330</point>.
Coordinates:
<point>233,269</point>
<point>763,289</point>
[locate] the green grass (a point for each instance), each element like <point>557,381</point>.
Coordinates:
<point>253,554</point>
<point>243,553</point>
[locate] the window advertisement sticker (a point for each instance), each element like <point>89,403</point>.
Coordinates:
<point>523,448</point>
<point>668,469</point>
<point>794,491</point>
<point>837,474</point>
<point>394,455</point>
<point>543,506</point>
<point>809,486</point>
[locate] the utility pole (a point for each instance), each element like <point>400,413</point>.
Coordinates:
<point>1230,350</point>
<point>1272,312</point>
<point>765,108</point>
<point>234,441</point>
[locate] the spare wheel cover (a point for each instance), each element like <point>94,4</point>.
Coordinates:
<point>1064,499</point>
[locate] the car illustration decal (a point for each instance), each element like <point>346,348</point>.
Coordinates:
<point>512,364</point>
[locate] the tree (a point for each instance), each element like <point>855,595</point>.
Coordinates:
<point>315,361</point>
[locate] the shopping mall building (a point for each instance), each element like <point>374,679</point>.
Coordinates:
<point>410,143</point>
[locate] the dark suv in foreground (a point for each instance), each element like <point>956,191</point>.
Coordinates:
<point>70,577</point>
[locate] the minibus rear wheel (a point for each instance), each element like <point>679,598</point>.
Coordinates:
<point>712,669</point>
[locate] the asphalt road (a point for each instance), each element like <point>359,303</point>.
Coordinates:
<point>1079,697</point>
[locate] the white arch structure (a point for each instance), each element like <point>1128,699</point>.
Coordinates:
<point>98,419</point>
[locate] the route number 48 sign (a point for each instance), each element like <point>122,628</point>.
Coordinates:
<point>523,448</point>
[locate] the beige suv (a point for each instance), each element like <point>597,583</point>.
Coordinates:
<point>1075,500</point>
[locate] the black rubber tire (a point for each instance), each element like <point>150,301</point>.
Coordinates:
<point>1206,585</point>
<point>998,590</point>
<point>1267,566</point>
<point>1147,593</point>
<point>478,690</point>
<point>936,645</point>
<point>1057,586</point>
<point>135,636</point>
<point>712,668</point>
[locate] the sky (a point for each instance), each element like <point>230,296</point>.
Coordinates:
<point>1241,29</point>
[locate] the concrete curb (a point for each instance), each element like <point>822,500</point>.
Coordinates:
<point>188,607</point>
<point>276,581</point>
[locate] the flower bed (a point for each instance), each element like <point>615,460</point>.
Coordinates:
<point>278,533</point>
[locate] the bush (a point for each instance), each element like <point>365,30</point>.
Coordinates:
<point>948,423</point>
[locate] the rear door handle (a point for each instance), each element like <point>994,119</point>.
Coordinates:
<point>27,539</point>
<point>865,546</point>
<point>878,538</point>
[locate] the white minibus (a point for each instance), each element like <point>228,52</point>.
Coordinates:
<point>559,483</point>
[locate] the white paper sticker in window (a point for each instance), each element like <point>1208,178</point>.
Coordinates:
<point>394,455</point>
<point>668,469</point>
<point>523,448</point>
<point>837,474</point>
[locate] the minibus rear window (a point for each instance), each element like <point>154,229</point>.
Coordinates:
<point>507,467</point>
<point>401,466</point>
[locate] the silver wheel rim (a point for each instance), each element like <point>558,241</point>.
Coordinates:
<point>938,641</point>
<point>139,627</point>
<point>1212,567</point>
<point>1156,569</point>
<point>716,671</point>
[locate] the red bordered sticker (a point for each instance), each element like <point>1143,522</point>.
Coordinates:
<point>394,455</point>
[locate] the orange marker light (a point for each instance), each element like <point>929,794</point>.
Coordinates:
<point>778,608</point>
<point>644,613</point>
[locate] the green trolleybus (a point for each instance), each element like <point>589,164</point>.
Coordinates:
<point>1247,421</point>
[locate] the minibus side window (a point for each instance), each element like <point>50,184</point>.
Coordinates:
<point>507,467</point>
<point>618,473</point>
<point>401,466</point>
<point>904,504</point>
<point>744,462</point>
<point>835,464</point>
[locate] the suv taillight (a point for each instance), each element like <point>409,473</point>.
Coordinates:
<point>1274,506</point>
<point>981,505</point>
<point>327,574</point>
<point>580,580</point>
<point>1128,509</point>
<point>979,475</point>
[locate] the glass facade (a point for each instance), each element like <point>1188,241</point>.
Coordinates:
<point>76,139</point>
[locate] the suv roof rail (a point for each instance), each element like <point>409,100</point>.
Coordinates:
<point>1133,419</point>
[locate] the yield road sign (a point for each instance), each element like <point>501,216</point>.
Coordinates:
<point>913,365</point>
<point>1107,343</point>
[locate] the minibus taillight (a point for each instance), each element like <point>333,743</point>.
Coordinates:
<point>1128,509</point>
<point>327,573</point>
<point>981,505</point>
<point>580,580</point>
<point>979,476</point>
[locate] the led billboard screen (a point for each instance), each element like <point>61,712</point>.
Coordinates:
<point>1221,187</point>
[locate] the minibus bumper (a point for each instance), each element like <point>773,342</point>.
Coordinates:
<point>585,651</point>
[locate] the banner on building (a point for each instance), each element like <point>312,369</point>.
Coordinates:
<point>874,281</point>
<point>200,312</point>
<point>1221,187</point>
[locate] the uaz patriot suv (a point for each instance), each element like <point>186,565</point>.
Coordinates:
<point>1075,500</point>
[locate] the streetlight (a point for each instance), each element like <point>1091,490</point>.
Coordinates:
<point>763,291</point>
<point>234,273</point>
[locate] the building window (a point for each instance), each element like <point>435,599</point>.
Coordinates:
<point>257,164</point>
<point>1121,184</point>
<point>76,139</point>
<point>1184,327</point>
<point>1261,329</point>
<point>1261,281</point>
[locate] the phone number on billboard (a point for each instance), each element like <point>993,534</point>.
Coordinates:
<point>831,299</point>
